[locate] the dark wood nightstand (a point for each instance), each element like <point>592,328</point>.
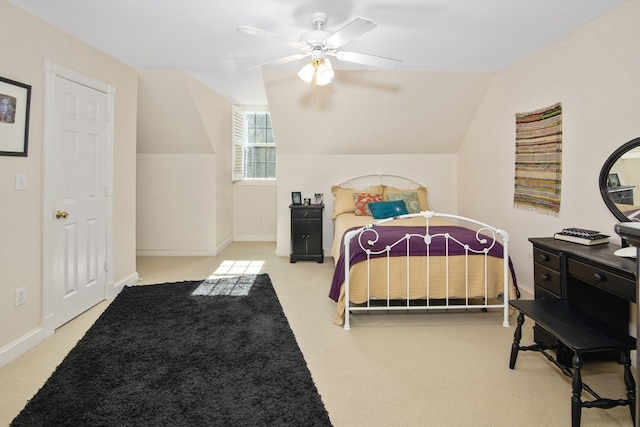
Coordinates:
<point>306,233</point>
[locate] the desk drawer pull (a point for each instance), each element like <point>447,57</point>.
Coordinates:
<point>544,257</point>
<point>545,277</point>
<point>599,277</point>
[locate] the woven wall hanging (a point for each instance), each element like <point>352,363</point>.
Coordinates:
<point>539,160</point>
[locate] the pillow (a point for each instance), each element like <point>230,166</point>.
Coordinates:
<point>410,199</point>
<point>381,210</point>
<point>362,201</point>
<point>421,191</point>
<point>343,201</point>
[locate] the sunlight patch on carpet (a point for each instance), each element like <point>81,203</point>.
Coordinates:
<point>233,286</point>
<point>235,267</point>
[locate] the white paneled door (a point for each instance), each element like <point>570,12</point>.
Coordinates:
<point>79,192</point>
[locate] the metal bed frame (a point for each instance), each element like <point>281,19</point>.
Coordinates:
<point>486,235</point>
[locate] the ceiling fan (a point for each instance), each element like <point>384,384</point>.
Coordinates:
<point>319,44</point>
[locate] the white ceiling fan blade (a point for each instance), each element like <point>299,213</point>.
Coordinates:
<point>362,58</point>
<point>352,30</point>
<point>252,31</point>
<point>279,61</point>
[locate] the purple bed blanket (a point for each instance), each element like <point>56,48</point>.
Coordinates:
<point>388,235</point>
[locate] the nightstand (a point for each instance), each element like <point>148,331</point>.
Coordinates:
<point>306,233</point>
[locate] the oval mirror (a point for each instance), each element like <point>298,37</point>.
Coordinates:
<point>620,182</point>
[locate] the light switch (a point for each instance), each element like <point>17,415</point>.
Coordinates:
<point>21,182</point>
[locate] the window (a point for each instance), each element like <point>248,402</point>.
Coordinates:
<point>254,148</point>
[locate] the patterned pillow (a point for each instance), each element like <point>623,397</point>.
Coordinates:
<point>343,201</point>
<point>362,201</point>
<point>410,200</point>
<point>421,190</point>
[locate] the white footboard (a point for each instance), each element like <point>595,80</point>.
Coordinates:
<point>444,279</point>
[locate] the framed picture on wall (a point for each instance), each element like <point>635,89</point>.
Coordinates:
<point>296,198</point>
<point>15,100</point>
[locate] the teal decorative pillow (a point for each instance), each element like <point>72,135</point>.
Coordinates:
<point>410,199</point>
<point>381,210</point>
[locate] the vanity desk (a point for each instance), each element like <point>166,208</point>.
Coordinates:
<point>630,231</point>
<point>581,310</point>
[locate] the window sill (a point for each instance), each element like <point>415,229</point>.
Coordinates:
<point>256,183</point>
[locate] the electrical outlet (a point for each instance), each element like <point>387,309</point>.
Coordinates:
<point>21,296</point>
<point>21,182</point>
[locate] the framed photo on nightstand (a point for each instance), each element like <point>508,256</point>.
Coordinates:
<point>319,198</point>
<point>296,198</point>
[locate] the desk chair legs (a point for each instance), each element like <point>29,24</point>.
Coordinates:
<point>577,386</point>
<point>517,336</point>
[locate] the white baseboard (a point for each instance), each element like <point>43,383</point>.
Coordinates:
<point>25,343</point>
<point>152,252</point>
<point>20,346</point>
<point>255,238</point>
<point>525,293</point>
<point>114,289</point>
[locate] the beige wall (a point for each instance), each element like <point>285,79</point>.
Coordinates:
<point>185,196</point>
<point>408,123</point>
<point>311,174</point>
<point>594,72</point>
<point>32,43</point>
<point>254,211</point>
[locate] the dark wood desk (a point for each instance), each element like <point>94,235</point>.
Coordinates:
<point>581,308</point>
<point>591,278</point>
<point>630,231</point>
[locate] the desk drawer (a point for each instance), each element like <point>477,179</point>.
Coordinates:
<point>547,279</point>
<point>546,259</point>
<point>603,279</point>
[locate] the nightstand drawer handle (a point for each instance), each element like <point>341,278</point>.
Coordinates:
<point>544,257</point>
<point>545,277</point>
<point>599,277</point>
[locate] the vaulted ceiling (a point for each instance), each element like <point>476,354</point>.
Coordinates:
<point>201,37</point>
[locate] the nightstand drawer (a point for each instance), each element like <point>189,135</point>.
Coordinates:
<point>546,259</point>
<point>547,279</point>
<point>599,278</point>
<point>306,213</point>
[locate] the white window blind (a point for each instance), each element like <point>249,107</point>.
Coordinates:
<point>254,148</point>
<point>238,144</point>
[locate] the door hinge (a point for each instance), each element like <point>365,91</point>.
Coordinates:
<point>107,115</point>
<point>106,266</point>
<point>106,191</point>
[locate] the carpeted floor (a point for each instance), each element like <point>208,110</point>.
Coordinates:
<point>164,355</point>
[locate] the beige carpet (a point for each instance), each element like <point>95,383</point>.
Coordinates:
<point>441,369</point>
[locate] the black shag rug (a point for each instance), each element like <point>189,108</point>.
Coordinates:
<point>213,353</point>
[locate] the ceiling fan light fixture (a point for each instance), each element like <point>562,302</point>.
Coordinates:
<point>324,73</point>
<point>307,72</point>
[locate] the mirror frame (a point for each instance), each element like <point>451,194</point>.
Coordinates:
<point>604,174</point>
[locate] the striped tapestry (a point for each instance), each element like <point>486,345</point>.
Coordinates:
<point>539,160</point>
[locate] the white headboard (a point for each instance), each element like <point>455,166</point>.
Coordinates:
<point>363,181</point>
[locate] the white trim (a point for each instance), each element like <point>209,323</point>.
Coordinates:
<point>20,346</point>
<point>53,70</point>
<point>257,182</point>
<point>154,252</point>
<point>256,238</point>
